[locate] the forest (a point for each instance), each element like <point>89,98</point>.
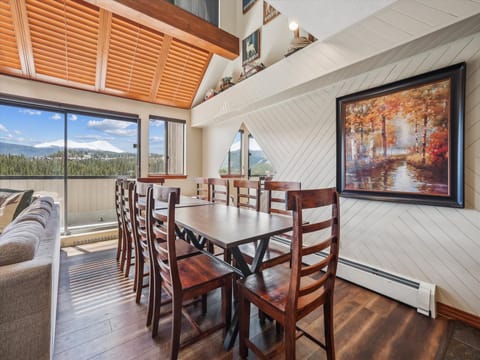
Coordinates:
<point>79,163</point>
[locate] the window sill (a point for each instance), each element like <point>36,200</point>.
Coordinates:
<point>158,176</point>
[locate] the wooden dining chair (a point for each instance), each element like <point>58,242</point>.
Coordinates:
<point>127,258</point>
<point>144,254</point>
<point>118,211</point>
<point>203,189</point>
<point>183,279</point>
<point>219,191</point>
<point>287,295</point>
<point>248,196</point>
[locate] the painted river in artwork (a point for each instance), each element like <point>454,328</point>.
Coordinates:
<point>396,176</point>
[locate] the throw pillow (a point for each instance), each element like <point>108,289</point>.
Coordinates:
<point>12,203</point>
<point>20,243</point>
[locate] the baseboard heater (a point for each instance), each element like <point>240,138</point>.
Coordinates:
<point>418,294</point>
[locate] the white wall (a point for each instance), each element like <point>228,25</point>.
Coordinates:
<point>37,90</point>
<point>434,244</point>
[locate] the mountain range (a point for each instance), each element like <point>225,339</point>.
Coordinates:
<point>46,149</point>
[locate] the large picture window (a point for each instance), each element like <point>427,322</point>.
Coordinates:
<point>166,146</point>
<point>258,163</point>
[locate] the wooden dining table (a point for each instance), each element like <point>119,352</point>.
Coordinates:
<point>228,227</point>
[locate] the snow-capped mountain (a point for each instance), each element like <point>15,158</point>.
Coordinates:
<point>99,145</point>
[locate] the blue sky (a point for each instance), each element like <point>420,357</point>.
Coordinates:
<point>26,126</point>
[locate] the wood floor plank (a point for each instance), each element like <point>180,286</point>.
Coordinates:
<point>99,319</point>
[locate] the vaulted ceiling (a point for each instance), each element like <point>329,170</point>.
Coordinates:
<point>139,49</point>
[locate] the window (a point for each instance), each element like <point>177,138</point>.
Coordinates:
<point>258,164</point>
<point>232,165</point>
<point>70,153</point>
<point>166,146</point>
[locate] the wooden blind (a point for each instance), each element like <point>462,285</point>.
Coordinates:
<point>133,55</point>
<point>9,58</point>
<point>183,72</point>
<point>64,37</point>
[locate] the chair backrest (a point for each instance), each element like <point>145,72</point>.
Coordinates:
<point>203,189</point>
<point>276,195</point>
<point>161,228</point>
<point>119,199</point>
<point>152,180</point>
<point>313,291</point>
<point>248,194</point>
<point>127,205</point>
<point>219,191</point>
<point>139,217</point>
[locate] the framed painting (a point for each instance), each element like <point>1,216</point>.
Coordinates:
<point>269,13</point>
<point>247,4</point>
<point>404,141</point>
<point>251,47</point>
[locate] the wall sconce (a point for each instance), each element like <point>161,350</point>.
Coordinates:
<point>293,26</point>
<point>297,42</point>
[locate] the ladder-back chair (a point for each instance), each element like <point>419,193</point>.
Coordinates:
<point>287,295</point>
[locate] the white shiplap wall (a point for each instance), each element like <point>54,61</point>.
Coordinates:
<point>433,244</point>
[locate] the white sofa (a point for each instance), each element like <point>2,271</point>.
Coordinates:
<point>29,271</point>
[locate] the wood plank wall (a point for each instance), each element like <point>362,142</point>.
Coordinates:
<point>433,244</point>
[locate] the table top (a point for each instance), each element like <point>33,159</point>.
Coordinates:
<point>185,201</point>
<point>228,226</point>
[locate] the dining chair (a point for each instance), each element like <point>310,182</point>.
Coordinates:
<point>203,189</point>
<point>118,211</point>
<point>248,196</point>
<point>219,191</point>
<point>144,255</point>
<point>183,279</point>
<point>127,259</point>
<point>289,294</point>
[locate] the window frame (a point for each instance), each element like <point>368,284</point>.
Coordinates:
<point>167,120</point>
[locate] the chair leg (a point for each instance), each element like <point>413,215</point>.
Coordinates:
<point>151,296</point>
<point>139,269</point>
<point>176,327</point>
<point>227,304</point>
<point>119,244</point>
<point>128,256</point>
<point>204,304</point>
<point>244,331</point>
<point>289,340</point>
<point>156,303</point>
<point>328,325</point>
<point>123,257</point>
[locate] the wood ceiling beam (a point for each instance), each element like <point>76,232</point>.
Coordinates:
<point>176,22</point>
<point>162,60</point>
<point>104,27</point>
<point>24,41</point>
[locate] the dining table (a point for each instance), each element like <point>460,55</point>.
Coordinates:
<point>229,227</point>
<point>185,201</point>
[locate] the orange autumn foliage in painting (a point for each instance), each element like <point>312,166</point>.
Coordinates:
<point>399,141</point>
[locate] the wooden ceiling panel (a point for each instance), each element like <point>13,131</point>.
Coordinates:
<point>9,58</point>
<point>133,55</point>
<point>182,74</point>
<point>90,45</point>
<point>64,33</point>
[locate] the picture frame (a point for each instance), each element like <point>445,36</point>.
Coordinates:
<point>269,13</point>
<point>404,141</point>
<point>247,5</point>
<point>251,47</point>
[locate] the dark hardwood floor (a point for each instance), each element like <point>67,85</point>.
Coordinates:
<point>98,319</point>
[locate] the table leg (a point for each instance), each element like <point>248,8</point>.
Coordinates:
<point>232,332</point>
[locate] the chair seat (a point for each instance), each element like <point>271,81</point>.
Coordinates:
<point>274,255</point>
<point>182,249</point>
<point>200,269</point>
<point>271,286</point>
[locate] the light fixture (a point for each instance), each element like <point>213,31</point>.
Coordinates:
<point>293,25</point>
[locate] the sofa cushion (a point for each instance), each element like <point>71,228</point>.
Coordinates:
<point>20,242</point>
<point>12,203</point>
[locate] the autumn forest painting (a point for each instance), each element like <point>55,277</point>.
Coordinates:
<point>399,142</point>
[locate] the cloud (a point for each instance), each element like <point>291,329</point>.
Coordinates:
<point>157,123</point>
<point>73,117</point>
<point>56,116</point>
<point>3,128</point>
<point>113,127</point>
<point>157,138</point>
<point>30,112</point>
<point>18,132</point>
